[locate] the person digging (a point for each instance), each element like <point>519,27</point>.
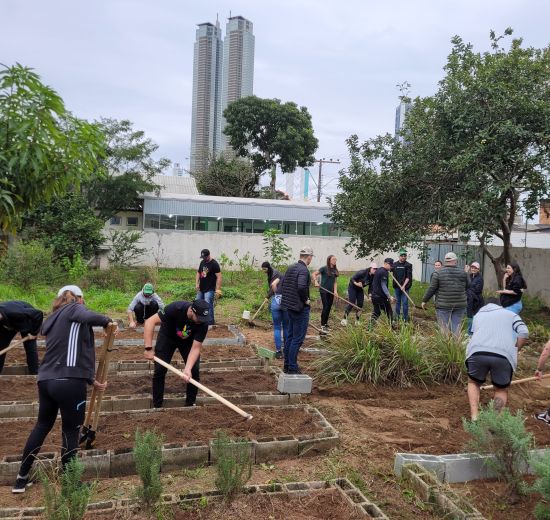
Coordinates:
<point>145,304</point>
<point>183,327</point>
<point>543,416</point>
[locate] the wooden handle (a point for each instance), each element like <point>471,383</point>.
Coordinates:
<point>17,343</point>
<point>518,381</point>
<point>204,389</point>
<point>258,311</point>
<point>340,298</point>
<point>403,290</point>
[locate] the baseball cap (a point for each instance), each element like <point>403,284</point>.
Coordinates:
<point>388,261</point>
<point>402,251</point>
<point>373,265</point>
<point>148,288</point>
<point>475,264</point>
<point>450,256</point>
<point>201,310</point>
<point>205,253</point>
<point>306,251</point>
<point>77,291</point>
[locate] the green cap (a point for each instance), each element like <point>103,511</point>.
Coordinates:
<point>402,251</point>
<point>148,288</point>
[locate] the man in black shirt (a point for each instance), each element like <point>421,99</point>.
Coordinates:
<point>381,298</point>
<point>183,326</point>
<point>356,295</point>
<point>402,272</point>
<point>208,281</point>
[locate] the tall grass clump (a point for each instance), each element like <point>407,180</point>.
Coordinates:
<point>234,464</point>
<point>502,435</point>
<point>447,353</point>
<point>65,497</point>
<point>541,465</point>
<point>148,455</point>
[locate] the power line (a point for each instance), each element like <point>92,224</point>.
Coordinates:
<point>320,180</point>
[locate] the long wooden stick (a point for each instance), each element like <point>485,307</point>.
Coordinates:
<point>110,339</point>
<point>403,290</point>
<point>259,309</point>
<point>518,381</point>
<point>17,343</point>
<point>204,389</point>
<point>340,298</point>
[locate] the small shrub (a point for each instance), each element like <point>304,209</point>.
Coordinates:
<point>447,353</point>
<point>125,250</point>
<point>278,252</point>
<point>65,497</point>
<point>541,466</point>
<point>181,290</point>
<point>77,268</point>
<point>112,278</point>
<point>234,466</point>
<point>148,454</point>
<point>502,435</point>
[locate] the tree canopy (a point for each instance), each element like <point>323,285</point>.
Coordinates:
<point>44,150</point>
<point>271,134</point>
<point>472,156</point>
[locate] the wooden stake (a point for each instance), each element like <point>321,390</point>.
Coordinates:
<point>518,381</point>
<point>403,290</point>
<point>17,343</point>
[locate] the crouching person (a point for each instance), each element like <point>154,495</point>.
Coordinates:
<point>498,334</point>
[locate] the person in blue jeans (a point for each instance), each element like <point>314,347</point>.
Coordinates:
<point>295,299</point>
<point>403,277</point>
<point>514,285</point>
<point>208,281</point>
<point>279,315</point>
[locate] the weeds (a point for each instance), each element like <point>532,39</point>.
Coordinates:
<point>448,354</point>
<point>148,455</point>
<point>541,466</point>
<point>234,466</point>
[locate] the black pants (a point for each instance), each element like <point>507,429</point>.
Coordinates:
<point>381,304</point>
<point>164,349</point>
<point>6,337</point>
<point>143,312</point>
<point>355,296</point>
<point>67,396</point>
<point>327,300</point>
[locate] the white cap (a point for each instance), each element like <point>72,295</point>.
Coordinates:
<point>77,291</point>
<point>450,256</point>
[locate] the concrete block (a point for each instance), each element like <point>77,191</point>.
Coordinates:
<point>122,463</point>
<point>176,456</point>
<point>122,403</point>
<point>468,468</point>
<point>10,409</point>
<point>97,463</point>
<point>294,384</point>
<point>251,450</point>
<point>275,449</point>
<point>317,445</point>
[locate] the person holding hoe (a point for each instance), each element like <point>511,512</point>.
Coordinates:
<point>67,369</point>
<point>543,416</point>
<point>380,296</point>
<point>208,282</point>
<point>183,327</point>
<point>278,314</point>
<point>328,288</point>
<point>356,294</point>
<point>145,303</point>
<point>402,282</point>
<point>22,317</point>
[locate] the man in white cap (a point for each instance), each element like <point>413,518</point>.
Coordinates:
<point>449,286</point>
<point>295,299</point>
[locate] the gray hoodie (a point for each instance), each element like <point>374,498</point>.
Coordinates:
<point>70,348</point>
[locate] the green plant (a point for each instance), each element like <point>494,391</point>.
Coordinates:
<point>112,278</point>
<point>502,435</point>
<point>125,250</point>
<point>226,262</point>
<point>275,248</point>
<point>77,268</point>
<point>447,354</point>
<point>246,264</point>
<point>148,455</point>
<point>65,497</point>
<point>234,466</point>
<point>541,466</point>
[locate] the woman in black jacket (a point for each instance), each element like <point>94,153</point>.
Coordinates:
<point>66,370</point>
<point>474,293</point>
<point>278,314</point>
<point>514,285</point>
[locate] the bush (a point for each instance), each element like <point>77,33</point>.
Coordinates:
<point>148,455</point>
<point>112,278</point>
<point>278,252</point>
<point>65,497</point>
<point>234,466</point>
<point>448,355</point>
<point>502,435</point>
<point>541,466</point>
<point>28,264</point>
<point>76,268</point>
<point>125,250</point>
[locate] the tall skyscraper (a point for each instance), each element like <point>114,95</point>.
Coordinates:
<point>400,116</point>
<point>206,108</point>
<point>238,65</point>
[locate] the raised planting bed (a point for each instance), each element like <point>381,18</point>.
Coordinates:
<point>332,500</point>
<point>273,433</point>
<point>132,391</point>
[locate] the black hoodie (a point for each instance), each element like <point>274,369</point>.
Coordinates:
<point>19,317</point>
<point>70,348</point>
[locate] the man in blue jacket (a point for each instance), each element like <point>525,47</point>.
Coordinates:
<point>295,298</point>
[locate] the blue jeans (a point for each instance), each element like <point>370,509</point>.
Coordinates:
<point>450,319</point>
<point>401,298</point>
<point>298,322</point>
<point>470,323</point>
<point>515,307</point>
<point>209,297</point>
<point>280,323</point>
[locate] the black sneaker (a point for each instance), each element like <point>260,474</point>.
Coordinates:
<point>278,355</point>
<point>543,416</point>
<point>21,484</point>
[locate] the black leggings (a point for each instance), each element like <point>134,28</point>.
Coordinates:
<point>144,312</point>
<point>6,337</point>
<point>327,299</point>
<point>355,296</point>
<point>381,304</point>
<point>67,396</point>
<point>164,349</point>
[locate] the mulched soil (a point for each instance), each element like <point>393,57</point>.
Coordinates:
<point>116,430</point>
<point>23,388</point>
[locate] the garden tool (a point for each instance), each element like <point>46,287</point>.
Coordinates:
<point>518,381</point>
<point>17,343</point>
<point>340,298</point>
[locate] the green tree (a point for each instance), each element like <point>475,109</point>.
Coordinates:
<point>278,252</point>
<point>228,178</point>
<point>271,134</point>
<point>44,150</point>
<point>473,156</point>
<point>126,171</point>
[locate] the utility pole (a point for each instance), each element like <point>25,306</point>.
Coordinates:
<point>320,183</point>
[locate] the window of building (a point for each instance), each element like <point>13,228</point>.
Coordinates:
<point>303,228</point>
<point>168,222</point>
<point>152,221</point>
<point>230,225</point>
<point>259,226</point>
<point>319,229</point>
<point>289,227</point>
<point>245,225</point>
<point>132,221</point>
<point>116,221</point>
<point>183,223</point>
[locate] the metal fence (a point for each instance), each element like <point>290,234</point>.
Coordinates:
<point>437,250</point>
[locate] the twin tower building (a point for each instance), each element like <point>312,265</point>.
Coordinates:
<point>223,71</point>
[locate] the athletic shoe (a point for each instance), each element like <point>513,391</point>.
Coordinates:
<point>543,416</point>
<point>188,405</point>
<point>21,484</point>
<point>278,354</point>
<point>324,330</point>
<point>344,322</point>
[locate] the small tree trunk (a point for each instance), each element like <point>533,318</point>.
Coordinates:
<point>273,178</point>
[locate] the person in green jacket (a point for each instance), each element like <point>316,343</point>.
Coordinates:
<point>448,286</point>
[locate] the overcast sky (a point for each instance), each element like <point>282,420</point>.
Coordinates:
<point>133,59</point>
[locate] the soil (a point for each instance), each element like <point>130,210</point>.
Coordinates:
<point>116,430</point>
<point>23,388</point>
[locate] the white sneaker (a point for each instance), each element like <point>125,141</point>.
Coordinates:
<point>357,323</point>
<point>344,322</point>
